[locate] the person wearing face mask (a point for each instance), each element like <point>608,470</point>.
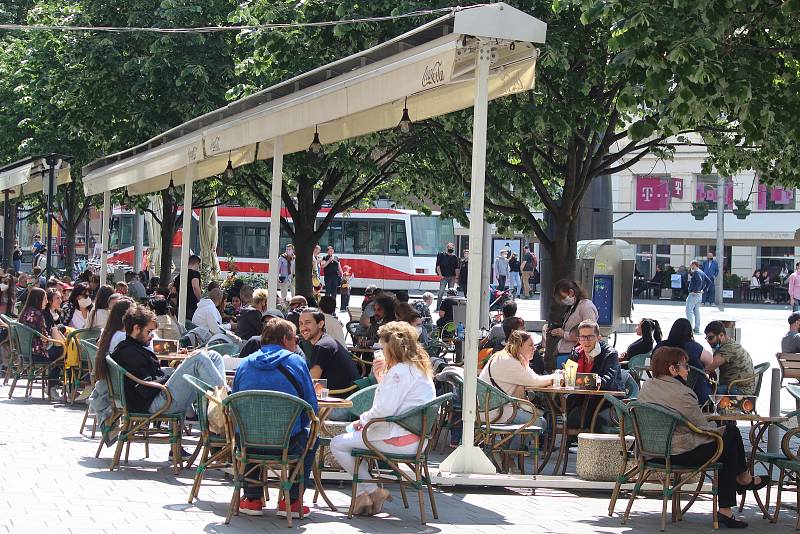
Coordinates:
<point>76,310</point>
<point>579,308</point>
<point>732,360</point>
<point>593,355</point>
<point>697,280</point>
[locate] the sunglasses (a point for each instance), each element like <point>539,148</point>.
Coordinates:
<point>711,336</point>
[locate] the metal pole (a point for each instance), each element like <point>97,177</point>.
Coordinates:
<point>138,240</point>
<point>718,283</point>
<point>275,222</point>
<point>106,220</point>
<point>51,181</point>
<point>191,173</point>
<point>7,250</point>
<point>773,438</point>
<point>467,458</point>
<point>485,274</point>
<point>86,232</point>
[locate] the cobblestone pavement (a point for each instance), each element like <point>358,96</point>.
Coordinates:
<point>51,482</point>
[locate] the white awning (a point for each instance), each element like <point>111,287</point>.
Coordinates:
<point>433,66</point>
<point>30,176</point>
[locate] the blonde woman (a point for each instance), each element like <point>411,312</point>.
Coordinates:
<point>509,370</point>
<point>408,383</point>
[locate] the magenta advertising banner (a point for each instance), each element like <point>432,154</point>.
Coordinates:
<point>708,192</point>
<point>777,195</point>
<point>676,187</point>
<point>652,193</point>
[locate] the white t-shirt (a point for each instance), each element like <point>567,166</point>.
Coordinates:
<point>78,320</point>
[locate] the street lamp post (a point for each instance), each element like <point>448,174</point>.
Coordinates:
<point>719,282</point>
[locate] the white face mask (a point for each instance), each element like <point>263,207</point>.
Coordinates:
<point>568,301</point>
<point>84,302</point>
<point>3,287</point>
<point>595,351</point>
<point>419,330</point>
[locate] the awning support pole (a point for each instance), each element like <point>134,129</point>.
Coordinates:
<point>718,282</point>
<point>107,216</point>
<point>51,180</point>
<point>7,230</point>
<point>275,222</point>
<point>468,458</point>
<point>191,173</point>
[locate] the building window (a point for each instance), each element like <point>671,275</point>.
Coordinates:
<point>706,190</point>
<point>774,259</point>
<point>702,252</point>
<point>653,193</point>
<point>775,198</point>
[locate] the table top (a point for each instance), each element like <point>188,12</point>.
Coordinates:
<point>334,402</point>
<point>362,349</point>
<point>754,418</point>
<point>572,391</point>
<point>174,356</point>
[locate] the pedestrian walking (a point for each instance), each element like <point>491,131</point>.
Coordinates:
<point>332,272</point>
<point>711,270</point>
<point>514,274</point>
<point>501,270</point>
<point>344,288</point>
<point>286,270</point>
<point>447,267</point>
<point>527,267</point>
<point>697,280</point>
<point>16,258</point>
<point>794,288</point>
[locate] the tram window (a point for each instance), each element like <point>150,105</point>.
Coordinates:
<point>284,240</point>
<point>332,236</point>
<point>121,232</point>
<point>355,237</point>
<point>255,241</point>
<point>230,240</point>
<point>431,234</point>
<point>398,243</point>
<point>377,237</point>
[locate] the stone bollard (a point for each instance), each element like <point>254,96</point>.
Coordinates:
<point>773,438</point>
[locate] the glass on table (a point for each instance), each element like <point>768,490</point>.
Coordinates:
<point>321,388</point>
<point>715,399</point>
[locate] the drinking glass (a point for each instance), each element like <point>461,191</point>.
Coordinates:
<point>715,401</point>
<point>569,380</point>
<point>321,387</point>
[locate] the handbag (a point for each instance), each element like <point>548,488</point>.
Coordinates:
<point>216,413</point>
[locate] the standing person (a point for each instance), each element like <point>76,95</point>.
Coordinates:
<point>447,268</point>
<point>36,247</point>
<point>794,288</point>
<point>529,263</point>
<point>136,288</point>
<point>463,271</point>
<point>277,367</point>
<point>408,383</point>
<point>711,270</point>
<point>732,360</point>
<point>194,293</point>
<point>347,274</point>
<point>286,270</point>
<point>41,259</point>
<point>332,272</point>
<point>697,280</point>
<point>316,277</point>
<point>514,277</point>
<point>16,257</point>
<point>579,308</point>
<point>501,270</point>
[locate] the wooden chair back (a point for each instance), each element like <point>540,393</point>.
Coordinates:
<point>789,363</point>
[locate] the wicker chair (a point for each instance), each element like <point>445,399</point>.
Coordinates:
<point>138,427</point>
<point>259,420</point>
<point>82,374</point>
<point>489,430</point>
<point>624,428</point>
<point>789,476</point>
<point>13,364</point>
<point>21,341</point>
<point>226,349</point>
<point>637,366</point>
<point>419,421</point>
<point>757,376</point>
<point>216,450</point>
<point>654,427</point>
<point>88,352</point>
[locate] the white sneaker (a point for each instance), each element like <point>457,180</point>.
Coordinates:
<point>54,393</point>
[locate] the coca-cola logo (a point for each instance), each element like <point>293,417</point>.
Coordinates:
<point>433,74</point>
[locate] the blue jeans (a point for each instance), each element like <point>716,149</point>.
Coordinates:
<point>693,309</point>
<point>296,446</point>
<point>708,293</point>
<point>445,283</point>
<point>18,265</point>
<point>515,282</point>
<point>796,306</point>
<point>207,366</point>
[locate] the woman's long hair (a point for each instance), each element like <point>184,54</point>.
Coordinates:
<point>112,326</point>
<point>36,297</point>
<point>651,330</point>
<point>400,345</point>
<point>680,333</point>
<point>564,285</point>
<point>10,294</point>
<point>100,301</point>
<point>516,339</point>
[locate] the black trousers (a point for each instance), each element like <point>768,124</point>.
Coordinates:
<point>54,352</point>
<point>733,462</point>
<point>331,285</point>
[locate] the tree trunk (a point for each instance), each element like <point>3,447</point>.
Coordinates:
<point>167,230</point>
<point>9,233</point>
<point>70,230</point>
<point>304,241</point>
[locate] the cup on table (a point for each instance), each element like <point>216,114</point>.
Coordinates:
<point>569,380</point>
<point>321,388</point>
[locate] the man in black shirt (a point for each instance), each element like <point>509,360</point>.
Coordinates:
<point>328,358</point>
<point>250,323</point>
<point>447,267</point>
<point>194,293</point>
<point>332,272</point>
<point>446,310</point>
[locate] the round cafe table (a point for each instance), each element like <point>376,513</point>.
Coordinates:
<point>326,406</point>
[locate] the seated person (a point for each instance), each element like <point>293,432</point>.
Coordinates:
<point>733,362</point>
<point>668,388</point>
<point>650,333</point>
<point>446,309</point>
<point>32,316</point>
<point>332,325</point>
<point>296,305</point>
<point>791,341</point>
<point>496,333</point>
<point>136,288</point>
<point>168,327</point>
<point>328,358</point>
<point>253,344</point>
<point>207,314</point>
<point>681,337</point>
<point>276,367</point>
<point>121,288</point>
<point>383,307</point>
<point>423,307</point>
<point>593,355</point>
<point>250,320</point>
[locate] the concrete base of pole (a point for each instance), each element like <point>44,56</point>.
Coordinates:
<point>467,459</point>
<point>773,438</point>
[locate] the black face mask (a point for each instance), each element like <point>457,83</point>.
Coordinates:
<point>449,250</point>
<point>680,379</point>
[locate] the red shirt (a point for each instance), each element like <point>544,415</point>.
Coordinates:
<point>584,365</point>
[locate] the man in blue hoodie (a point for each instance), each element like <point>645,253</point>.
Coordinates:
<point>276,367</point>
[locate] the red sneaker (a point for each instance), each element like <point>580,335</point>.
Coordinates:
<point>295,508</point>
<point>251,507</point>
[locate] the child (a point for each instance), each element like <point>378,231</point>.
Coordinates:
<point>344,289</point>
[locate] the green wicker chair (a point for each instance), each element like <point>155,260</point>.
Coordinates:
<point>757,376</point>
<point>624,427</point>
<point>139,427</point>
<point>74,377</point>
<point>448,332</point>
<point>88,352</point>
<point>264,420</point>
<point>789,465</point>
<point>13,363</point>
<point>226,349</point>
<point>216,450</point>
<point>420,421</point>
<point>637,366</point>
<point>489,430</point>
<point>448,415</point>
<point>654,427</point>
<point>21,342</point>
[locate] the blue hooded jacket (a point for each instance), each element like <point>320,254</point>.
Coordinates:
<point>260,371</point>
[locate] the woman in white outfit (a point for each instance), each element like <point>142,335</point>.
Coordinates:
<point>408,384</point>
